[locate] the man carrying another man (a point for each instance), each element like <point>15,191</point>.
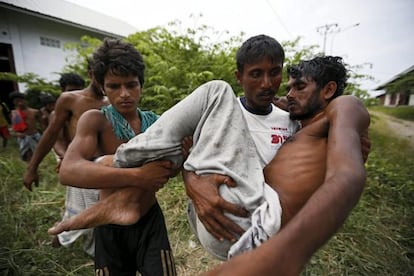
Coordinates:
<point>208,113</point>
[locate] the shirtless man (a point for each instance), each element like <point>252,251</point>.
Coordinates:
<point>26,123</point>
<point>68,108</point>
<point>143,246</point>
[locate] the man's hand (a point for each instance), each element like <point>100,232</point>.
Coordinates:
<point>186,145</point>
<point>365,145</point>
<point>59,163</point>
<point>210,206</point>
<point>30,176</point>
<point>281,102</point>
<point>106,160</point>
<point>154,175</point>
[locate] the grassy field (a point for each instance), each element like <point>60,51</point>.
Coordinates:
<point>377,239</point>
<point>401,112</point>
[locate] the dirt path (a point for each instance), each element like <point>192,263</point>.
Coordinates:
<point>402,128</point>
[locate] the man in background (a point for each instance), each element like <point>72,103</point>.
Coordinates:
<point>26,125</point>
<point>68,108</point>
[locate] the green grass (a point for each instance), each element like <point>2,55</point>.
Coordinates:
<point>377,239</point>
<point>401,112</point>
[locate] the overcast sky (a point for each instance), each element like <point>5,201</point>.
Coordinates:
<point>377,32</point>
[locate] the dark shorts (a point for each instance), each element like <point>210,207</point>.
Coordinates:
<point>142,247</point>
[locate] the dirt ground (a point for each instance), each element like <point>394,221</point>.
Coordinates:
<point>405,129</point>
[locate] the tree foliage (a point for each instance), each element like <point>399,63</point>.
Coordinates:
<point>180,59</point>
<point>403,84</point>
<point>177,63</point>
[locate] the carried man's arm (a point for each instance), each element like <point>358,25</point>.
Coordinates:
<point>290,249</point>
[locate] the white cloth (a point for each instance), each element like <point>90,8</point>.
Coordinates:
<point>76,201</point>
<point>28,143</point>
<point>221,144</point>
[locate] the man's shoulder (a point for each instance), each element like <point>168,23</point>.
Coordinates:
<point>67,98</point>
<point>92,119</point>
<point>347,108</point>
<point>345,100</point>
<point>95,114</point>
<point>347,105</point>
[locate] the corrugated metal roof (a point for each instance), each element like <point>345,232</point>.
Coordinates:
<point>396,77</point>
<point>73,14</point>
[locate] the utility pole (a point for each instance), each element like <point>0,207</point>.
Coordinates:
<point>324,30</point>
<point>340,30</point>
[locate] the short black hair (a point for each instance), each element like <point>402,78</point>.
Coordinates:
<point>118,57</point>
<point>71,79</point>
<point>47,99</point>
<point>322,70</point>
<point>16,95</point>
<point>258,47</point>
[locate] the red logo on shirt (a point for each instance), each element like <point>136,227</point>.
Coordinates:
<point>278,139</point>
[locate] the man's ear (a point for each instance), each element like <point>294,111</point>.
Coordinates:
<point>237,75</point>
<point>329,90</point>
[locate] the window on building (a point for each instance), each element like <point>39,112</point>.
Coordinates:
<point>49,42</point>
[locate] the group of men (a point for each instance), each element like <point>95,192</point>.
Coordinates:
<point>258,177</point>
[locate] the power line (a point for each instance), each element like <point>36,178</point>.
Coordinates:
<point>280,19</point>
<point>324,30</point>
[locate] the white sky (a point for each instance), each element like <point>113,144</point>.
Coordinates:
<point>383,38</point>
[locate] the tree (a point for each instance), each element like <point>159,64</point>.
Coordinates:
<point>180,59</point>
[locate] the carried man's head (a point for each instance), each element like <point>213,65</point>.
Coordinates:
<point>313,84</point>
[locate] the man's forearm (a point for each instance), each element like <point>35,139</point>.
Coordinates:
<point>319,219</point>
<point>90,175</point>
<point>42,149</point>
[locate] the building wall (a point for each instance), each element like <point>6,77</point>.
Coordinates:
<point>411,100</point>
<point>24,33</point>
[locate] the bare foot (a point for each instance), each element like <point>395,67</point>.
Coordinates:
<point>123,207</point>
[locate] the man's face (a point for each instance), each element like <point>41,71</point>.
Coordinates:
<point>260,82</point>
<point>19,102</point>
<point>303,98</point>
<point>122,92</point>
<point>50,107</point>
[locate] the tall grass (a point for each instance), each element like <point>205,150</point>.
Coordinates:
<point>377,239</point>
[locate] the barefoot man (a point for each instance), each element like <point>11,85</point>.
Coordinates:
<point>143,246</point>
